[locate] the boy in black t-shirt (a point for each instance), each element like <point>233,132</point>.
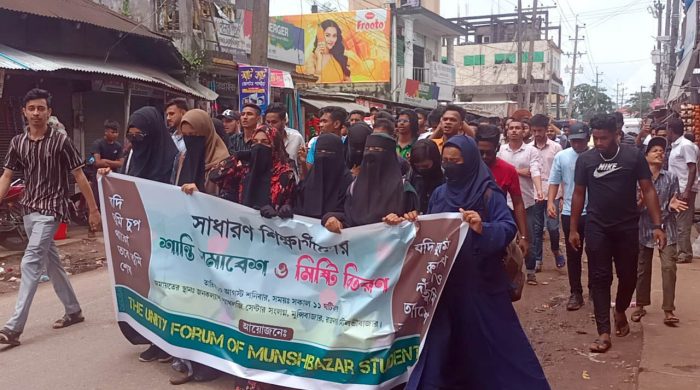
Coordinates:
<point>610,173</point>
<point>106,152</point>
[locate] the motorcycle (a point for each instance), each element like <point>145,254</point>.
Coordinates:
<point>12,234</point>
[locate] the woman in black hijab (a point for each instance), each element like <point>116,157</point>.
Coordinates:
<point>474,326</point>
<point>426,172</point>
<point>153,150</point>
<point>379,190</point>
<point>324,188</point>
<point>357,136</point>
<point>152,157</point>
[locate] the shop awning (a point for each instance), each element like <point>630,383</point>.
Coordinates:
<point>14,59</point>
<point>682,77</point>
<point>348,106</point>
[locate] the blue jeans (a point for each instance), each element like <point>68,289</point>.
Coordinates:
<point>41,253</point>
<point>535,233</point>
<point>552,225</point>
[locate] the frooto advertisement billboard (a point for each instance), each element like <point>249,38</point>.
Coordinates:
<point>346,47</point>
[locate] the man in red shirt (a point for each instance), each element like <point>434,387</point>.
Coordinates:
<point>488,138</point>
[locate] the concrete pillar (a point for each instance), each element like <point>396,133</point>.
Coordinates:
<point>450,51</point>
<point>408,53</point>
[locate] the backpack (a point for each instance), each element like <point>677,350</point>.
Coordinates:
<point>513,261</point>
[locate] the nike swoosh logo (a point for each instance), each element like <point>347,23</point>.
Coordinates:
<point>598,174</point>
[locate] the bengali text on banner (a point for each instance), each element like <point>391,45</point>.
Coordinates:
<point>277,301</point>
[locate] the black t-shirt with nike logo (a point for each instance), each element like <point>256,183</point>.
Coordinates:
<point>612,186</point>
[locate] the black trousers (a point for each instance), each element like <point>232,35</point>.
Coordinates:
<point>573,256</point>
<point>603,247</point>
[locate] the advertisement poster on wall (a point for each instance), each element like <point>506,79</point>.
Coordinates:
<point>254,85</point>
<point>419,94</point>
<point>346,47</point>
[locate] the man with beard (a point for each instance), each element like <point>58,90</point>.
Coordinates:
<point>175,109</point>
<point>610,173</point>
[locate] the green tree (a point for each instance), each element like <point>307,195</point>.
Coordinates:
<point>589,101</point>
<point>632,104</point>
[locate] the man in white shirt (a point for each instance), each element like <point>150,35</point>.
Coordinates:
<point>547,149</point>
<point>528,163</point>
<point>682,162</point>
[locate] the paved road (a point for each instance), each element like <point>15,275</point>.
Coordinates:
<point>92,355</point>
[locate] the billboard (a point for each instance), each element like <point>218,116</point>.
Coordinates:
<point>285,41</point>
<point>254,86</point>
<point>346,47</point>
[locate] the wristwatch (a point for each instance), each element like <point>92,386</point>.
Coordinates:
<point>660,227</point>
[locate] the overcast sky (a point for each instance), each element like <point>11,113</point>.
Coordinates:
<point>619,33</point>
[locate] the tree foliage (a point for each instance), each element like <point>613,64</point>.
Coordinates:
<point>585,103</point>
<point>632,103</point>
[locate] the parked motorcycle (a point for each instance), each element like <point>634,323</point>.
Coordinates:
<point>12,234</point>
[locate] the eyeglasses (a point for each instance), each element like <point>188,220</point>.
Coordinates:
<point>403,121</point>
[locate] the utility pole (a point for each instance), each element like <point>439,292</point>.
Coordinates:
<point>530,55</point>
<point>674,39</point>
<point>641,92</point>
<point>668,52</point>
<point>617,95</point>
<point>259,35</point>
<point>597,82</point>
<point>657,10</point>
<point>570,109</point>
<point>519,58</point>
<point>622,96</point>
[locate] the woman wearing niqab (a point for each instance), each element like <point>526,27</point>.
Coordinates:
<point>475,339</point>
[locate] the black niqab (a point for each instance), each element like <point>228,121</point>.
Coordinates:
<point>325,186</point>
<point>426,180</point>
<point>153,157</point>
<point>193,167</point>
<point>379,188</point>
<point>357,136</point>
<point>256,184</point>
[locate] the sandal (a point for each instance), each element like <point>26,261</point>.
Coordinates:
<point>637,315</point>
<point>600,346</point>
<point>671,321</point>
<point>8,337</point>
<point>68,320</point>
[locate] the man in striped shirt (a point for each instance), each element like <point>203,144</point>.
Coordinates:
<point>45,157</point>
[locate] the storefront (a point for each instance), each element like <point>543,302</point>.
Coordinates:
<point>85,91</point>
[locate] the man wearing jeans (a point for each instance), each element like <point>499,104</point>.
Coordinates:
<point>45,157</point>
<point>547,149</point>
<point>562,174</point>
<point>610,173</point>
<point>682,163</point>
<point>527,162</point>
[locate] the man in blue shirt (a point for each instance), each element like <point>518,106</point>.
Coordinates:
<point>562,173</point>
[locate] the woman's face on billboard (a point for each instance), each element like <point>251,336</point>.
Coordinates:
<point>331,37</point>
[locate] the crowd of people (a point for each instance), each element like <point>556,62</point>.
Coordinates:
<point>512,180</point>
